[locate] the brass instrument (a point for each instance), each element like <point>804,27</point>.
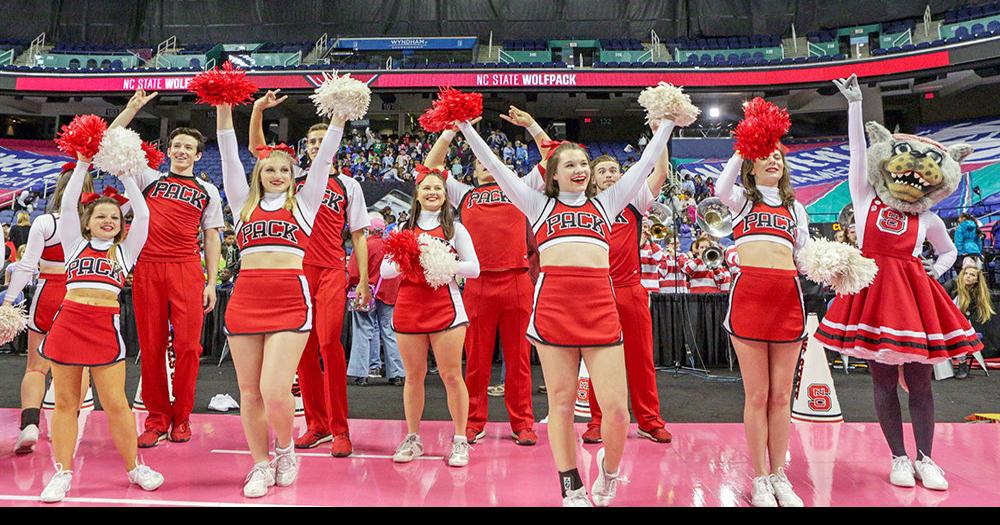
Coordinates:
<point>712,256</point>
<point>662,218</point>
<point>714,218</point>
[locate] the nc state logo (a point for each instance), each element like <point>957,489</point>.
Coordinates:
<point>892,221</point>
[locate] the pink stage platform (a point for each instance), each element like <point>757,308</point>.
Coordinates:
<point>706,466</point>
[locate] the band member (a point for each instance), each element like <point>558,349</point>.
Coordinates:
<point>703,278</point>
<point>766,318</point>
<point>672,276</point>
<point>43,253</point>
<point>86,332</point>
<point>324,390</point>
<point>574,312</point>
<point>433,317</point>
<point>170,287</point>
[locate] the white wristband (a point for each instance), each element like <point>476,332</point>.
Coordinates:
<point>448,134</point>
<point>534,129</point>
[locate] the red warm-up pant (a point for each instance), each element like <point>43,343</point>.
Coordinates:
<point>499,300</point>
<point>168,294</point>
<point>637,327</point>
<point>324,391</point>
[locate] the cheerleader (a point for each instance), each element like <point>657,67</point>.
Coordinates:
<point>435,317</point>
<point>270,312</point>
<point>766,318</point>
<point>572,225</point>
<point>85,331</point>
<point>904,322</point>
<point>43,253</point>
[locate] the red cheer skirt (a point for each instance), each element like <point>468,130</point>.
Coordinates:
<point>268,301</point>
<point>84,335</point>
<point>574,307</point>
<point>421,309</point>
<point>905,316</point>
<point>49,293</point>
<point>766,305</point>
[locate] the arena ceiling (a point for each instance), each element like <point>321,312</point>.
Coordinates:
<point>199,21</point>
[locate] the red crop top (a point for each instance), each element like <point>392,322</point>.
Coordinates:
<point>564,223</point>
<point>281,230</point>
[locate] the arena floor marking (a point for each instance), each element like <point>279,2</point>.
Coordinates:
<point>320,455</point>
<point>842,464</point>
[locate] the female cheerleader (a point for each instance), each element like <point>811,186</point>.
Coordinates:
<point>85,331</point>
<point>426,316</point>
<point>270,313</point>
<point>769,225</point>
<point>904,321</point>
<point>573,229</point>
<point>44,253</point>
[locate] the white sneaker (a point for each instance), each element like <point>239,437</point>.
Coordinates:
<point>605,487</point>
<point>410,449</point>
<point>58,486</point>
<point>145,477</point>
<point>929,474</point>
<point>26,441</point>
<point>459,453</point>
<point>763,493</point>
<point>783,489</point>
<point>577,498</point>
<point>902,472</point>
<point>258,480</point>
<point>286,466</point>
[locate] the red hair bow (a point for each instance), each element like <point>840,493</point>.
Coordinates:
<point>109,191</point>
<point>424,171</point>
<point>69,166</point>
<point>551,145</point>
<point>264,151</point>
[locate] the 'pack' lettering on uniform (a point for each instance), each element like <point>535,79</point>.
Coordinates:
<point>565,223</point>
<point>179,208</point>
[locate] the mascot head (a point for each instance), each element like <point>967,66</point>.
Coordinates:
<point>912,173</point>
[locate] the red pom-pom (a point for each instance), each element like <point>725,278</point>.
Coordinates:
<point>761,130</point>
<point>228,85</point>
<point>404,248</point>
<point>82,136</point>
<point>154,157</point>
<point>451,105</point>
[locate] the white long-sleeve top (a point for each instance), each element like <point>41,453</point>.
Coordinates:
<point>72,237</point>
<point>735,197</point>
<point>43,232</point>
<point>533,203</point>
<point>931,227</point>
<point>308,199</point>
<point>468,263</point>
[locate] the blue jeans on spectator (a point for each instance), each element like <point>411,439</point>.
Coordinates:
<point>375,351</point>
<point>364,326</point>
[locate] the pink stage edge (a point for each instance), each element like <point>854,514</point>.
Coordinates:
<point>843,464</point>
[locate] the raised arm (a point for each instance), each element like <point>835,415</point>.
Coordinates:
<point>625,190</point>
<point>654,183</point>
<point>234,177</point>
<point>857,179</point>
<point>529,201</point>
<point>42,228</point>
<point>139,230</point>
<point>135,104</point>
<point>69,211</point>
<point>726,190</point>
<point>435,160</point>
<point>468,262</point>
<point>311,194</point>
<point>946,252</point>
<point>268,101</point>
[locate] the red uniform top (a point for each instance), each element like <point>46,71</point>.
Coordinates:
<point>490,217</point>
<point>342,206</point>
<point>764,222</point>
<point>179,207</point>
<point>93,268</point>
<point>624,256</point>
<point>281,230</point>
<point>889,231</point>
<point>53,253</point>
<point>564,223</point>
<point>388,289</point>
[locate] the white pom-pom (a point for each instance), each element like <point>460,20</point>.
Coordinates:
<point>121,153</point>
<point>343,97</point>
<point>837,265</point>
<point>668,101</point>
<point>438,260</point>
<point>13,321</point>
